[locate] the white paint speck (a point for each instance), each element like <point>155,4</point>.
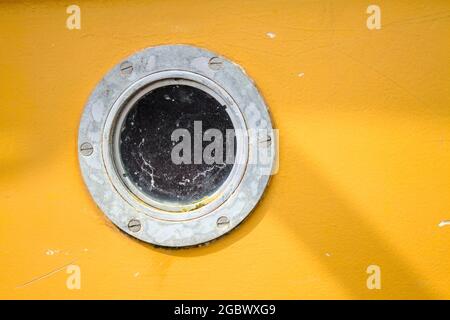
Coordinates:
<point>328,254</point>
<point>271,35</point>
<point>51,252</point>
<point>444,223</point>
<point>301,74</point>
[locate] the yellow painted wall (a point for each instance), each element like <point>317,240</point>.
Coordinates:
<point>364,150</point>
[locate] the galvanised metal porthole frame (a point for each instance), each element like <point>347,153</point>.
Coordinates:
<point>165,224</point>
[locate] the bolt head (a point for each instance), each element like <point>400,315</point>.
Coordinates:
<point>126,68</point>
<point>86,149</point>
<point>266,141</point>
<point>223,222</point>
<point>215,63</point>
<point>134,225</point>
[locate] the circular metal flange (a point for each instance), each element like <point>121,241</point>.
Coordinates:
<point>163,223</point>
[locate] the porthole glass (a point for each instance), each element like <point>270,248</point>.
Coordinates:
<point>147,142</point>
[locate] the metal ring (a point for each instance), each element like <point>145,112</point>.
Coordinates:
<point>165,224</point>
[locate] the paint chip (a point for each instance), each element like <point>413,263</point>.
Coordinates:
<point>301,74</point>
<point>328,254</point>
<point>444,223</point>
<point>271,35</point>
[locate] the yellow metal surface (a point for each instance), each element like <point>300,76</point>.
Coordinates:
<point>364,179</point>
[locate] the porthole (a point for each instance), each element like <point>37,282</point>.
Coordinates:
<point>170,145</point>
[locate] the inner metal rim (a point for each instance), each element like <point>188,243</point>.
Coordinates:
<point>164,205</point>
<point>111,156</point>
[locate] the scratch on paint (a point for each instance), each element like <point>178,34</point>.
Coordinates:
<point>45,275</point>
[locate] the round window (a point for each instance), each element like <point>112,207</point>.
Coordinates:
<point>145,147</point>
<point>176,145</point>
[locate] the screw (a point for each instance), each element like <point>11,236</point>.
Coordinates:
<point>268,141</point>
<point>134,225</point>
<point>126,68</point>
<point>223,222</point>
<point>86,149</point>
<point>215,63</point>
